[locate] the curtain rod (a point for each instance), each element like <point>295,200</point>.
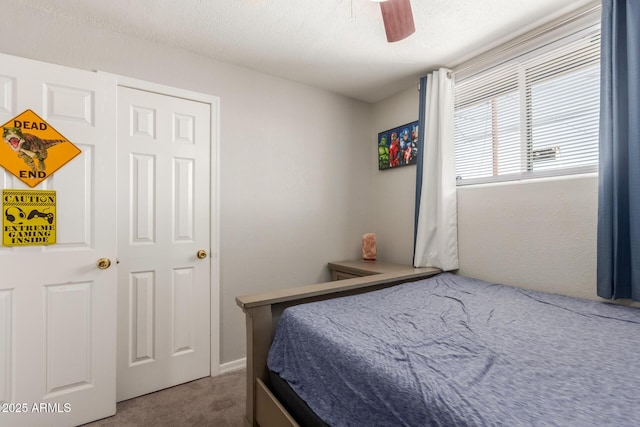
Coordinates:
<point>586,10</point>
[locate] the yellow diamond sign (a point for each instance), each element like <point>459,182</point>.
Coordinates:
<point>32,149</point>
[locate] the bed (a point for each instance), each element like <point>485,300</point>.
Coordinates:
<point>450,350</point>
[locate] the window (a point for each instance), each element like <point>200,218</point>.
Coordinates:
<point>536,115</point>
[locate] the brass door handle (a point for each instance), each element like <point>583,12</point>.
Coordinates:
<point>103,263</point>
<point>201,254</point>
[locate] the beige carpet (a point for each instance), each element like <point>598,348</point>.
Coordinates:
<point>213,401</point>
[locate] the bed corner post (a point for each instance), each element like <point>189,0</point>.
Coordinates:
<point>259,335</point>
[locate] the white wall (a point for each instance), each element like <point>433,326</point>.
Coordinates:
<point>535,234</point>
<point>296,185</point>
<point>394,188</point>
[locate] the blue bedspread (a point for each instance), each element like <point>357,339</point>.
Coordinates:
<point>454,351</point>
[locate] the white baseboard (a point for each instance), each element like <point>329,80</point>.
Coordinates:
<point>234,365</point>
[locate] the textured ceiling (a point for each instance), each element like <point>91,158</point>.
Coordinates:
<point>339,45</point>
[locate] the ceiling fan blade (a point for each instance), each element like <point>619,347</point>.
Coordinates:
<point>398,19</point>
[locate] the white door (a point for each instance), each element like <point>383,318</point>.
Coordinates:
<point>164,287</point>
<point>57,309</point>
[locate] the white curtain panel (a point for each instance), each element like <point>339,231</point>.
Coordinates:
<point>437,231</point>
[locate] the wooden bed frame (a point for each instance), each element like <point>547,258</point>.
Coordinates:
<point>262,314</point>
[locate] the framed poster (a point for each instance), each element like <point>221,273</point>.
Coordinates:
<point>398,146</point>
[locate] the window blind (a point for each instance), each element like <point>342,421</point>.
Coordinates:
<point>536,115</point>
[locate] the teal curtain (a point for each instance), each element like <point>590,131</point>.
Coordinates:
<point>419,162</point>
<point>618,262</point>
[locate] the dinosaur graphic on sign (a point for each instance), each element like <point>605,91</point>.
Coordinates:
<point>29,147</point>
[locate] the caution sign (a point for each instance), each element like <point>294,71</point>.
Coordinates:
<point>28,217</point>
<point>32,149</point>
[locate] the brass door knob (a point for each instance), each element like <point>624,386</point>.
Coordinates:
<point>103,263</point>
<point>201,254</point>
